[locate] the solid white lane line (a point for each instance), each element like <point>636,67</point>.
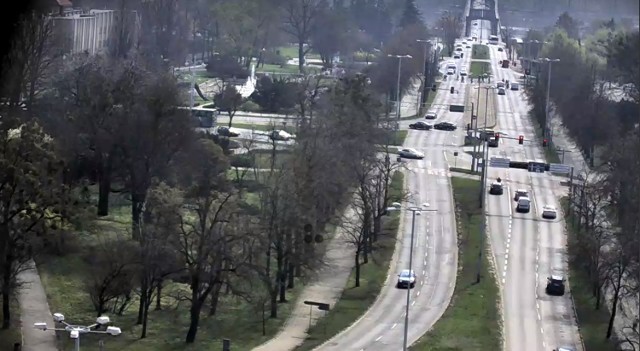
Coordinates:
<point>394,325</point>
<point>418,293</point>
<point>378,338</point>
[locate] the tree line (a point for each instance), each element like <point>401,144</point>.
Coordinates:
<point>594,90</point>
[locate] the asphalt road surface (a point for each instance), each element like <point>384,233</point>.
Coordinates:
<point>434,250</point>
<point>527,249</point>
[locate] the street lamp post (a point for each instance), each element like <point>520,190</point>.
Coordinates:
<point>485,156</point>
<point>416,211</point>
<point>76,330</point>
<point>399,57</point>
<point>547,133</point>
<point>426,43</point>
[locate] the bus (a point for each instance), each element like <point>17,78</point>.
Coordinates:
<point>493,40</point>
<point>203,117</point>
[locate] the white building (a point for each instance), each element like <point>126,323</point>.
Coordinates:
<point>90,31</point>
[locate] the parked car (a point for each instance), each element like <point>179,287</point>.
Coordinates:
<point>420,126</point>
<point>280,135</point>
<point>411,153</point>
<point>549,212</point>
<point>431,115</point>
<point>406,279</point>
<point>555,285</point>
<point>445,126</point>
<point>228,132</point>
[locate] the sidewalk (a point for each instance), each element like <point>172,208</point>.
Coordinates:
<point>34,308</point>
<point>327,288</point>
<point>628,307</point>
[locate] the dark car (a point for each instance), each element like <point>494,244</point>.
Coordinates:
<point>228,132</point>
<point>496,188</point>
<point>493,142</point>
<point>445,126</point>
<point>555,285</point>
<point>420,126</point>
<point>431,115</point>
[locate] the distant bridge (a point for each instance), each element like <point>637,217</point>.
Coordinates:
<point>489,13</point>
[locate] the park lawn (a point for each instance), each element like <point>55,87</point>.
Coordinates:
<point>286,69</point>
<point>591,322</point>
<point>354,302</point>
<point>13,335</point>
<point>64,279</point>
<point>478,68</point>
<point>264,127</point>
<point>480,52</point>
<point>472,320</point>
<point>291,52</point>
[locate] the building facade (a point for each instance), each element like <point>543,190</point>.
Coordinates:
<point>92,31</point>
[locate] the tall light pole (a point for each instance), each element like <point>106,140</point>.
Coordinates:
<point>426,43</point>
<point>399,57</point>
<point>415,211</point>
<point>547,133</point>
<point>485,156</point>
<point>76,330</point>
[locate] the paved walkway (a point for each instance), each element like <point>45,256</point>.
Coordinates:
<point>34,308</point>
<point>327,288</point>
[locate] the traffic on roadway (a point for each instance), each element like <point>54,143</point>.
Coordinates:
<point>526,230</point>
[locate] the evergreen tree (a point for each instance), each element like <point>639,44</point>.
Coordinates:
<point>410,15</point>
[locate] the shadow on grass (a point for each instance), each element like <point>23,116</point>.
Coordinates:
<point>11,336</point>
<point>471,322</point>
<point>355,301</point>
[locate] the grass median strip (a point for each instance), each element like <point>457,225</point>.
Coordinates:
<point>480,52</point>
<point>472,320</point>
<point>355,301</point>
<point>479,68</point>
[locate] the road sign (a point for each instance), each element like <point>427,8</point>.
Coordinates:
<point>559,168</point>
<point>499,162</point>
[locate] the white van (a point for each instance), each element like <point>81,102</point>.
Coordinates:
<point>524,205</point>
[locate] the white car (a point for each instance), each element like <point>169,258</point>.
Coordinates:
<point>406,279</point>
<point>280,135</point>
<point>463,72</point>
<point>501,91</point>
<point>456,56</point>
<point>450,72</point>
<point>549,212</point>
<point>519,193</point>
<point>411,153</point>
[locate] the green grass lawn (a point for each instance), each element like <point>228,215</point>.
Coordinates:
<point>399,137</point>
<point>286,69</point>
<point>472,320</point>
<point>593,323</point>
<point>291,51</point>
<point>355,301</point>
<point>478,68</point>
<point>64,279</point>
<point>12,335</point>
<point>480,52</point>
<point>264,127</point>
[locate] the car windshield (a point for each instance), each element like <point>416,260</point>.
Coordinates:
<point>405,274</point>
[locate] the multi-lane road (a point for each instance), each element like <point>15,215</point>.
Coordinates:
<point>527,249</point>
<point>434,251</point>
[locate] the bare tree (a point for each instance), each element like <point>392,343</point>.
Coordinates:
<point>451,28</point>
<point>299,21</point>
<point>229,101</point>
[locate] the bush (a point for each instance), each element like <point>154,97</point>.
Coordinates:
<point>241,161</point>
<point>250,106</point>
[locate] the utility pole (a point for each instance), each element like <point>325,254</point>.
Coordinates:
<point>398,99</point>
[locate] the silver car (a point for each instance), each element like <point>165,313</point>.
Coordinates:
<point>406,279</point>
<point>411,153</point>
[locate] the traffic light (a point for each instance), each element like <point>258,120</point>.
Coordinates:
<point>545,142</point>
<point>433,87</point>
<point>451,90</point>
<point>521,139</point>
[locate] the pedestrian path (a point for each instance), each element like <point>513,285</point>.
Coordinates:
<point>327,288</point>
<point>34,308</point>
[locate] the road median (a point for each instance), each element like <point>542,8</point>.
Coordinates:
<point>472,320</point>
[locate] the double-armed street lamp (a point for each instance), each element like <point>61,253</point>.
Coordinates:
<point>76,330</point>
<point>416,211</point>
